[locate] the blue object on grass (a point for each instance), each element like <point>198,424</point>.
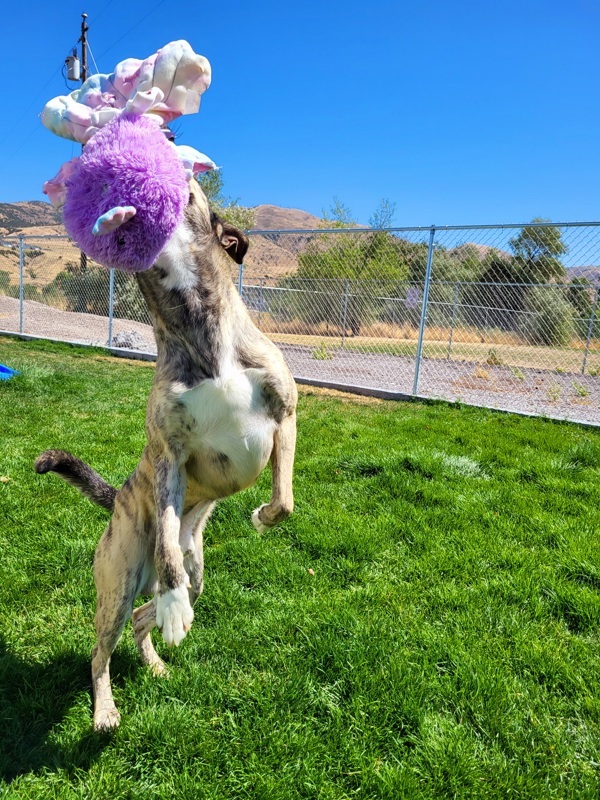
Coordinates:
<point>6,373</point>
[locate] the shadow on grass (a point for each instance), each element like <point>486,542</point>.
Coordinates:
<point>34,701</point>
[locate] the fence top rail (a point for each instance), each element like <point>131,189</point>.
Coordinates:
<point>16,236</point>
<point>375,282</point>
<point>358,229</point>
<point>426,228</point>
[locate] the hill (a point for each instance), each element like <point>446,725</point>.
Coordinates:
<point>275,218</point>
<point>28,214</point>
<point>592,274</point>
<point>270,256</point>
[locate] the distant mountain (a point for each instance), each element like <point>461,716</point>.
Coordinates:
<point>591,273</point>
<point>270,256</point>
<point>37,213</point>
<point>29,214</point>
<point>275,218</point>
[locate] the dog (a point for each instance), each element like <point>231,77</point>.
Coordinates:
<point>222,404</point>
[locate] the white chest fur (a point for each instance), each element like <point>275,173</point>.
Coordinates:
<point>231,426</point>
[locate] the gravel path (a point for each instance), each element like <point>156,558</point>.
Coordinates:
<point>542,392</point>
<point>533,391</point>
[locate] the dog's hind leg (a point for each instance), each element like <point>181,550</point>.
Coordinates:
<point>281,504</point>
<point>144,620</point>
<point>110,620</point>
<point>106,715</point>
<point>117,574</point>
<point>191,541</point>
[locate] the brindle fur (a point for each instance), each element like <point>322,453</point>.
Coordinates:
<point>153,543</point>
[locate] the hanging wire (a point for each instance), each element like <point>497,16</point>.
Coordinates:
<point>63,72</point>
<point>9,135</point>
<point>102,10</point>
<point>9,156</point>
<point>92,55</point>
<point>139,22</point>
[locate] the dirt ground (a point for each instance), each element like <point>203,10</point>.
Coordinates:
<point>564,395</point>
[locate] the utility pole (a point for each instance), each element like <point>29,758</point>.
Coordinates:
<point>83,39</point>
<point>84,29</point>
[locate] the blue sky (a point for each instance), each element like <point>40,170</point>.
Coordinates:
<point>459,112</point>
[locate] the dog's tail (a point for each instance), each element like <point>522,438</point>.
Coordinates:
<point>79,475</point>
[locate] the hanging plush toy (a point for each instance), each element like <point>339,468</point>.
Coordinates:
<point>124,196</point>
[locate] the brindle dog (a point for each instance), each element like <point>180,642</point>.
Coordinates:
<point>222,404</point>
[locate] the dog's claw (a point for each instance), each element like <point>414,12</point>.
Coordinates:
<point>174,614</point>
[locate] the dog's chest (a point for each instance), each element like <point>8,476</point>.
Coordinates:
<point>230,434</point>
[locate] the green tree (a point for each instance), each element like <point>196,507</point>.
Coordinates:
<point>383,216</point>
<point>537,251</point>
<point>4,281</point>
<point>87,290</point>
<point>83,287</point>
<point>548,317</point>
<point>495,298</point>
<point>346,279</point>
<point>228,208</point>
<point>337,215</point>
<point>580,294</point>
<point>502,291</point>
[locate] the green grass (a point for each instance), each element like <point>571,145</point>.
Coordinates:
<point>446,645</point>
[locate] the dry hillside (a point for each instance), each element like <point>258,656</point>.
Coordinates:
<point>275,218</point>
<point>270,256</point>
<point>267,257</point>
<point>15,217</point>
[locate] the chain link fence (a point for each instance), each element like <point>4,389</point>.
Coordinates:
<point>498,316</point>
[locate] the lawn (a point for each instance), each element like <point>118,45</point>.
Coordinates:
<point>424,626</point>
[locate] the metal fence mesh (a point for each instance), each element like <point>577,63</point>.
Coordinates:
<point>505,317</point>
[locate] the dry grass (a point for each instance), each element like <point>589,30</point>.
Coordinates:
<point>467,344</point>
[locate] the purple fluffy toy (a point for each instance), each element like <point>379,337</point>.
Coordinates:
<point>126,194</point>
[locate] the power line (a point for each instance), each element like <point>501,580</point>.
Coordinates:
<point>139,22</point>
<point>102,10</point>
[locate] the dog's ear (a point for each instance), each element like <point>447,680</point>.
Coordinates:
<point>232,239</point>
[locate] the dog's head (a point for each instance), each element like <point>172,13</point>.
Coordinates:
<point>199,216</point>
<point>200,240</point>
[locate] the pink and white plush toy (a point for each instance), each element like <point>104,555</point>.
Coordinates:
<point>124,196</point>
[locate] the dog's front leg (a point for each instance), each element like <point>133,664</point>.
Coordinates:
<point>174,612</point>
<point>190,542</point>
<point>192,545</point>
<point>281,504</point>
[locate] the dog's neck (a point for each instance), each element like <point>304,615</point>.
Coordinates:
<point>188,293</point>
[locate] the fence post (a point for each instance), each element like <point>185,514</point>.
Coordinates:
<point>424,310</point>
<point>590,330</point>
<point>21,286</point>
<point>241,281</point>
<point>260,301</point>
<point>454,304</point>
<point>111,304</point>
<point>345,309</point>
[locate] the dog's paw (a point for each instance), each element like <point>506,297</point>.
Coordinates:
<point>174,614</point>
<point>260,526</point>
<point>106,719</point>
<point>159,668</point>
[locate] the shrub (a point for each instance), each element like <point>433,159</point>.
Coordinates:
<point>4,281</point>
<point>548,318</point>
<point>321,354</point>
<point>31,292</point>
